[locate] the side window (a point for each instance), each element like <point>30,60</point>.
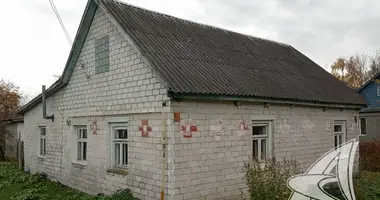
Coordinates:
<point>363,126</point>
<point>261,136</point>
<point>119,146</point>
<point>102,55</point>
<point>81,132</point>
<point>339,133</point>
<point>42,140</point>
<point>378,91</point>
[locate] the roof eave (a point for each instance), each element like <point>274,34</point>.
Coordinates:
<point>368,82</point>
<point>79,40</point>
<point>180,96</point>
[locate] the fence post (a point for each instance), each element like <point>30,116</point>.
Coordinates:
<point>20,155</point>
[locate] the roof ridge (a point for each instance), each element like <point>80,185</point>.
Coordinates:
<point>199,24</point>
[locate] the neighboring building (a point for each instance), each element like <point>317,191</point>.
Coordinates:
<point>370,116</point>
<point>13,128</point>
<point>149,101</point>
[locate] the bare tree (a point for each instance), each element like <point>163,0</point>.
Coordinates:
<point>356,67</point>
<point>374,67</point>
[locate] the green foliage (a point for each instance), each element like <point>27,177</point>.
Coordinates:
<point>370,161</point>
<point>18,185</point>
<point>267,180</point>
<point>120,195</point>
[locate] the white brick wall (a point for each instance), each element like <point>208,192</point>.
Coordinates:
<point>129,91</point>
<point>211,167</point>
<point>203,167</point>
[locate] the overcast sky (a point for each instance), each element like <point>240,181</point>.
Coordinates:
<point>34,47</point>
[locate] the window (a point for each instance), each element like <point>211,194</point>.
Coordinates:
<point>42,140</point>
<point>363,126</point>
<point>261,133</point>
<point>81,143</point>
<point>378,91</point>
<point>339,133</point>
<point>102,54</point>
<point>119,146</point>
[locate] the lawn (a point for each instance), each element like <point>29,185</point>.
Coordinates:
<point>17,185</point>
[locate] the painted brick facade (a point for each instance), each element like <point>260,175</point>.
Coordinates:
<point>209,166</point>
<point>202,167</point>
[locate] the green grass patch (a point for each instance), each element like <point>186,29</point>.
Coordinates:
<point>366,186</point>
<point>18,185</point>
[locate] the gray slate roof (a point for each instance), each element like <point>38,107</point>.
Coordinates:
<point>197,59</point>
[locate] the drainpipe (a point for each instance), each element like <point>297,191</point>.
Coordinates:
<point>44,105</point>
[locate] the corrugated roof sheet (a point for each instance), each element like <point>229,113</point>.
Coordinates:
<point>199,59</point>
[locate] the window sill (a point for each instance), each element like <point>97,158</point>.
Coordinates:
<point>118,171</point>
<point>41,157</point>
<point>79,164</point>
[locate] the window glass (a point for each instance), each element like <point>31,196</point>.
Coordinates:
<point>363,127</point>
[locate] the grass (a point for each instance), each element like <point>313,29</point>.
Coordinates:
<point>18,185</point>
<point>367,187</point>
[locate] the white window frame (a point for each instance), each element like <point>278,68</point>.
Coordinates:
<point>342,133</point>
<point>80,141</point>
<point>268,137</point>
<point>42,141</point>
<point>365,125</point>
<point>120,142</point>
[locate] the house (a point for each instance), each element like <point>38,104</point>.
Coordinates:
<point>165,106</point>
<point>370,116</point>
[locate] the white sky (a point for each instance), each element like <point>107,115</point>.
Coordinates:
<point>34,47</point>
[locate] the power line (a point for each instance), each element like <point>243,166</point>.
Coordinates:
<point>60,21</point>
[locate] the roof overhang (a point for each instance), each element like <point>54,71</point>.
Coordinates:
<point>368,82</point>
<point>178,96</point>
<point>79,40</point>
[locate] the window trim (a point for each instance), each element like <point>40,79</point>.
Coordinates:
<point>113,127</point>
<point>343,132</point>
<point>268,136</point>
<point>80,139</point>
<point>42,137</point>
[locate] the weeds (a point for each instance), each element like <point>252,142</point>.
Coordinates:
<point>267,179</point>
<point>18,185</point>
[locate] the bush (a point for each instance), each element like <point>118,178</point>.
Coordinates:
<point>267,180</point>
<point>369,158</point>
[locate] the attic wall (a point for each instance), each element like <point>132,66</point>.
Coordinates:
<point>129,92</point>
<point>370,94</point>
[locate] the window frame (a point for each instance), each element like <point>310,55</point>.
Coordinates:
<point>342,133</point>
<point>81,154</point>
<point>42,145</point>
<point>363,125</point>
<point>102,54</point>
<point>267,136</point>
<point>120,141</point>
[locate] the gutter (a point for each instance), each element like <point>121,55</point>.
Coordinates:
<point>236,99</point>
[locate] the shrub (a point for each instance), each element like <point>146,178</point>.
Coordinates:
<point>267,180</point>
<point>369,156</point>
